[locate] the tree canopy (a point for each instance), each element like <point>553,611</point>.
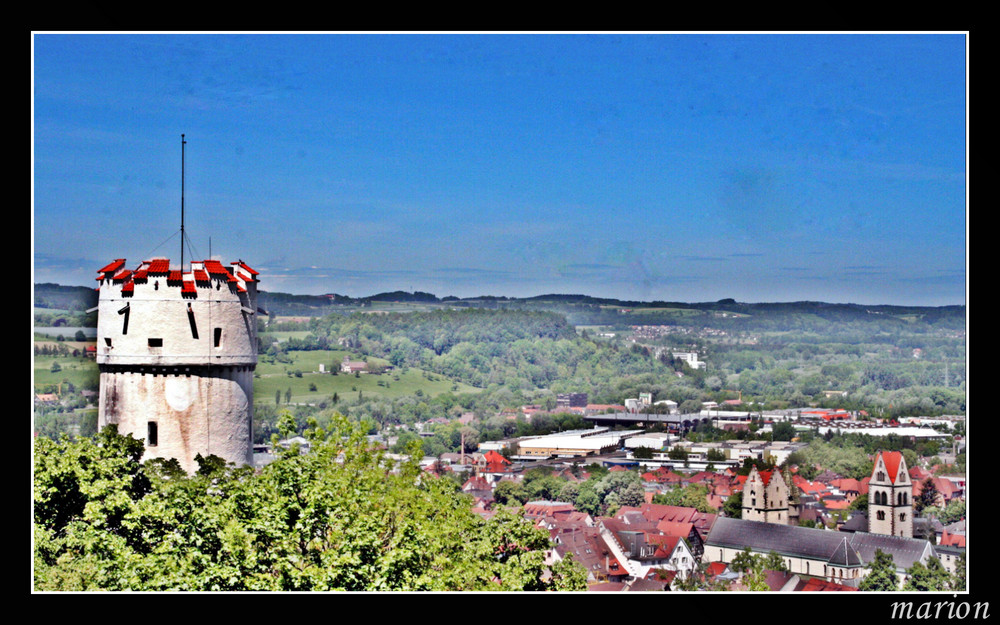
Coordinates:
<point>340,517</point>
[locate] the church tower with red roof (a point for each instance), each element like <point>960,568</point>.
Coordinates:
<point>176,351</point>
<point>890,496</point>
<point>766,497</point>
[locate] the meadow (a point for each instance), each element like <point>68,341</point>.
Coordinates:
<point>302,374</point>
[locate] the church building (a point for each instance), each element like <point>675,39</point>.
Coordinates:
<point>768,497</point>
<point>890,496</point>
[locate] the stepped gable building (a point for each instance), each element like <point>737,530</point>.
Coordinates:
<point>769,497</point>
<point>890,500</point>
<point>176,351</point>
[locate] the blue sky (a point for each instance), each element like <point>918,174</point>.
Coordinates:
<point>678,167</point>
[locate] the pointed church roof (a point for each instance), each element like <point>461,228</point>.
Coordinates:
<point>892,460</point>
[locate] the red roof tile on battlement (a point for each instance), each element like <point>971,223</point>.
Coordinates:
<point>215,267</point>
<point>117,264</point>
<point>158,266</point>
<point>252,272</point>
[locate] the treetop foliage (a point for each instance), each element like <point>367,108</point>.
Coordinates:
<point>340,517</point>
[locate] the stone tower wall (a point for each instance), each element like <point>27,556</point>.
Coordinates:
<point>177,353</point>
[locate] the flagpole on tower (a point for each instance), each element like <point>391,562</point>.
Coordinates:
<point>183,142</point>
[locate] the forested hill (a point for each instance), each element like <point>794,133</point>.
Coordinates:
<point>582,309</point>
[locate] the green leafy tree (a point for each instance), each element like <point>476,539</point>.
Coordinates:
<point>733,506</point>
<point>509,493</point>
<point>928,496</point>
<point>957,582</point>
<point>927,577</point>
<point>587,499</point>
<point>338,517</point>
<point>689,496</point>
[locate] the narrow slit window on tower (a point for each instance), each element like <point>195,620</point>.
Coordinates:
<point>192,322</point>
<point>218,337</point>
<point>152,434</point>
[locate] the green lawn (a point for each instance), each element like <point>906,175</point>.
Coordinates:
<point>275,377</point>
<point>280,377</point>
<point>79,371</point>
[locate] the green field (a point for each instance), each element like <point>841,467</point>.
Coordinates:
<point>279,377</point>
<point>80,371</point>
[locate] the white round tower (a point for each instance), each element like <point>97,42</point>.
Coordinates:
<point>176,352</point>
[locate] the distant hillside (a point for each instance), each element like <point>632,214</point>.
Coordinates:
<point>76,298</point>
<point>581,309</point>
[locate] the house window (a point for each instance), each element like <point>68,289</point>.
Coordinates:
<point>218,337</point>
<point>902,516</point>
<point>152,434</point>
<point>107,341</point>
<point>155,342</point>
<point>880,515</point>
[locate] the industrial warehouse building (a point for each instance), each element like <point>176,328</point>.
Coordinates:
<point>573,444</point>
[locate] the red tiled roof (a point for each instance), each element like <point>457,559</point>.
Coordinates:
<point>188,287</point>
<point>214,267</point>
<point>200,275</point>
<point>891,460</point>
<point>848,485</point>
<point>492,457</point>
<point>675,528</point>
<point>159,266</point>
<point>117,264</point>
<point>128,287</point>
<point>174,276</point>
<point>122,276</point>
<point>715,568</point>
<point>247,267</point>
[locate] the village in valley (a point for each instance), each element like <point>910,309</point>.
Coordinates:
<point>786,533</point>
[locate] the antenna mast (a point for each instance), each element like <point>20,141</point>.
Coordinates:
<point>183,142</point>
